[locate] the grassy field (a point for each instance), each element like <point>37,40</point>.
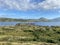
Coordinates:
<point>27,34</point>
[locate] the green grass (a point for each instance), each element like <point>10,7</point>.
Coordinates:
<point>30,33</point>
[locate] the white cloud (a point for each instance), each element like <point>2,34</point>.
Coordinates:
<point>15,4</point>
<point>50,4</point>
<point>28,5</point>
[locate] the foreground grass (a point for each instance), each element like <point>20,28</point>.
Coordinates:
<point>27,34</point>
<point>26,43</point>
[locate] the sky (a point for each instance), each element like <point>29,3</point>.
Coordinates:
<point>29,9</point>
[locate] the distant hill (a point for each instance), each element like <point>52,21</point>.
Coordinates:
<point>42,19</point>
<point>11,19</point>
<point>56,19</point>
<point>22,20</point>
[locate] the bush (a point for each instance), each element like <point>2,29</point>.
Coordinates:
<point>58,32</point>
<point>51,41</point>
<point>27,30</point>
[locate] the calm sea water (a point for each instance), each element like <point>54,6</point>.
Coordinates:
<point>47,23</point>
<point>36,23</point>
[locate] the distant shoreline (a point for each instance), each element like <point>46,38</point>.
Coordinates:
<point>29,20</point>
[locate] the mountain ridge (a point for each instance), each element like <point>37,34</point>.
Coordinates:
<point>42,19</point>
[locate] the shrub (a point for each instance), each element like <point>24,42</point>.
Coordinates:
<point>51,41</point>
<point>27,30</point>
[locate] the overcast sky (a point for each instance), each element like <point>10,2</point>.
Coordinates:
<point>30,9</point>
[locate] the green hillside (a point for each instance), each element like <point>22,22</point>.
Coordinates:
<point>26,34</point>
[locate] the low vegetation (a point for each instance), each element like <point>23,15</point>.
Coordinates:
<point>29,34</point>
